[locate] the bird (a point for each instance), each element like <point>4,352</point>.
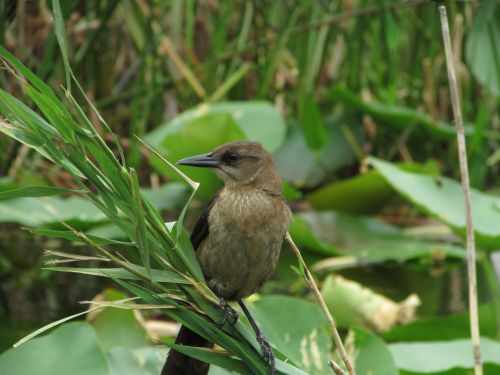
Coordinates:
<point>237,239</point>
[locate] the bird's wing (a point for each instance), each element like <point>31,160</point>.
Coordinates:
<point>200,231</point>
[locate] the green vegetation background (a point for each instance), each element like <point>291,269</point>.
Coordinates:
<point>351,97</point>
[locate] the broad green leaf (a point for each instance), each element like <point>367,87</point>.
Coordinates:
<point>297,328</point>
<point>305,236</point>
<point>259,121</point>
<point>307,168</point>
<point>200,134</point>
<point>442,198</point>
<point>365,238</point>
<point>124,360</point>
<point>52,325</point>
<point>69,349</point>
<point>439,356</point>
<point>35,191</point>
<point>364,194</point>
<point>451,327</point>
<point>35,212</point>
<point>118,327</point>
<point>78,211</point>
<point>372,354</point>
<point>482,47</point>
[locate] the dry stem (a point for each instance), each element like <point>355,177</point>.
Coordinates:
<point>329,318</point>
<point>464,174</point>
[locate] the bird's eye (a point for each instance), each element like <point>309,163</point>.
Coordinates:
<point>231,157</point>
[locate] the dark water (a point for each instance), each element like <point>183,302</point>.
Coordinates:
<point>31,296</point>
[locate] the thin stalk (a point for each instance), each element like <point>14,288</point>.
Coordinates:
<point>464,176</point>
<point>329,318</point>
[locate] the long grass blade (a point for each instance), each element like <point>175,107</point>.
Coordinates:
<point>61,39</point>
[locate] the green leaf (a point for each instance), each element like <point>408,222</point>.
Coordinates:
<point>70,236</point>
<point>305,236</point>
<point>364,194</point>
<point>160,276</point>
<point>148,360</point>
<point>303,337</point>
<point>373,356</point>
<point>118,327</point>
<point>30,76</point>
<point>187,252</point>
<point>318,165</point>
<point>140,223</point>
<point>60,32</point>
<point>442,198</point>
<point>50,210</point>
<point>440,356</point>
<point>365,238</point>
<point>312,123</point>
<point>259,121</point>
<point>450,327</point>
<point>78,211</point>
<point>35,191</point>
<point>193,136</point>
<point>397,117</point>
<point>211,356</point>
<point>70,349</point>
<point>482,49</point>
<point>52,325</point>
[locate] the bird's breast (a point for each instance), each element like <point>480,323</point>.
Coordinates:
<point>246,231</point>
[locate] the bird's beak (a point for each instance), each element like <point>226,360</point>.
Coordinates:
<point>205,160</point>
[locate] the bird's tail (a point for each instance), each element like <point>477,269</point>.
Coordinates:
<point>181,364</point>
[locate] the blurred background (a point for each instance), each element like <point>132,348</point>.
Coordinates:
<point>352,99</point>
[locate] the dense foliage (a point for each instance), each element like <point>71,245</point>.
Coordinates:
<point>98,98</point>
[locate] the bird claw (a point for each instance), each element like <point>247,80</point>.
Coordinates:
<point>267,352</point>
<point>228,312</point>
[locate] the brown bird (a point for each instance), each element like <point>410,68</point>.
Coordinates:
<point>237,239</point>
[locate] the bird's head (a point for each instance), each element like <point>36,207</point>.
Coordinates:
<point>238,164</point>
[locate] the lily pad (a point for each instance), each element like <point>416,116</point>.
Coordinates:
<point>440,356</point>
<point>118,327</point>
<point>70,349</point>
<point>78,211</point>
<point>259,121</point>
<point>442,198</point>
<point>373,356</point>
<point>198,136</point>
<point>364,194</point>
<point>333,233</point>
<point>297,328</point>
<point>309,168</point>
<point>124,360</point>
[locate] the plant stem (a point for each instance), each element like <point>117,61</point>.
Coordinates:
<point>464,174</point>
<point>329,318</point>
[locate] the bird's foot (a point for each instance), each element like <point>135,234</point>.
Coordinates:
<point>267,352</point>
<point>229,312</point>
